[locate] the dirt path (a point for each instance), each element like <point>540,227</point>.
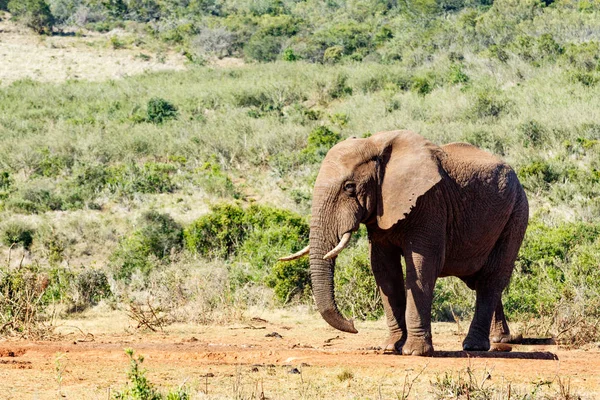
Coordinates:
<point>309,360</point>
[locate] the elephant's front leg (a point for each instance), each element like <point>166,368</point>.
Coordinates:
<point>422,269</point>
<point>385,262</point>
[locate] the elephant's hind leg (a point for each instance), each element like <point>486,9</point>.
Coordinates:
<point>499,332</point>
<point>491,281</point>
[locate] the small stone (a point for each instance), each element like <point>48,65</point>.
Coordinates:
<point>294,371</point>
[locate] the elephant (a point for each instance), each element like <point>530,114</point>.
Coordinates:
<point>451,210</point>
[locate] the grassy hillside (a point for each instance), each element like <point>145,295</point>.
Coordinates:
<point>139,190</point>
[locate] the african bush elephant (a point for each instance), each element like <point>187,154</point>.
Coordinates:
<point>453,210</point>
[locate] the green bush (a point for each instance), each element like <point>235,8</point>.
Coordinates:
<point>160,110</point>
<point>138,387</point>
<point>538,169</point>
<point>533,133</point>
<point>290,279</point>
<point>18,233</point>
<point>422,84</point>
<point>263,47</point>
<point>488,104</point>
<point>452,300</point>
<point>554,264</point>
<point>486,140</point>
<point>33,13</point>
<point>35,197</point>
<point>258,234</point>
<point>339,87</point>
<point>131,179</point>
<point>91,286</point>
<point>154,242</point>
<point>289,55</point>
<point>333,54</point>
<point>6,184</point>
<point>212,179</point>
<point>457,75</point>
<point>320,140</point>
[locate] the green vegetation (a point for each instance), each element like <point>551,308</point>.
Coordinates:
<point>195,182</point>
<point>35,14</point>
<point>140,388</point>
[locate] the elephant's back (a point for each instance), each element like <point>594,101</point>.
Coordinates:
<point>466,152</point>
<point>488,175</point>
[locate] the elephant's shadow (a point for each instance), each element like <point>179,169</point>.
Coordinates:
<point>525,355</point>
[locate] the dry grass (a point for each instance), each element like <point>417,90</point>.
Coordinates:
<point>23,54</point>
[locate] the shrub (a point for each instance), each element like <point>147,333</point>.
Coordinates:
<point>35,14</point>
<point>488,104</point>
<point>160,110</point>
<point>212,179</point>
<point>21,302</point>
<point>217,42</point>
<point>35,197</point>
<point>487,141</point>
<point>89,287</point>
<point>533,133</point>
<point>131,179</point>
<point>289,55</point>
<point>422,84</point>
<point>585,78</point>
<point>457,75</point>
<point>320,140</point>
<point>263,47</point>
<point>339,87</point>
<point>18,233</point>
<point>333,54</point>
<point>290,279</point>
<point>260,233</point>
<point>139,387</point>
<point>157,238</point>
<point>6,183</point>
<point>539,169</point>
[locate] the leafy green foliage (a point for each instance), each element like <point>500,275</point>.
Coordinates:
<point>290,279</point>
<point>160,110</point>
<point>256,233</point>
<point>157,238</point>
<point>139,387</point>
<point>17,233</point>
<point>320,140</point>
<point>35,14</point>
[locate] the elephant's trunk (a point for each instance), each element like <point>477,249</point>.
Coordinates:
<point>321,272</point>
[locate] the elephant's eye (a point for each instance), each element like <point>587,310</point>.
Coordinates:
<point>350,187</point>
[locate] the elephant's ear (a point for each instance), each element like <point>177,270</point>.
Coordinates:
<point>409,166</point>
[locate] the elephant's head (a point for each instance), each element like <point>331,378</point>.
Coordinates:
<point>376,179</point>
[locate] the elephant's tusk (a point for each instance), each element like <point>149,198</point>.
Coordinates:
<point>294,256</point>
<point>338,249</point>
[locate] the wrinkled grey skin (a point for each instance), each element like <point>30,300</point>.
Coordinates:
<point>453,210</point>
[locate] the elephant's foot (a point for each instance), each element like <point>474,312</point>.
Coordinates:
<point>506,338</point>
<point>476,344</point>
<point>394,342</point>
<point>418,346</point>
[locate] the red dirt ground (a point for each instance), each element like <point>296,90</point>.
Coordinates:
<point>239,361</point>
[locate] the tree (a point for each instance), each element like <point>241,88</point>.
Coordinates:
<point>33,13</point>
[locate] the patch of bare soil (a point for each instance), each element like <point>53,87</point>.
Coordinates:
<point>24,54</point>
<point>279,355</point>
